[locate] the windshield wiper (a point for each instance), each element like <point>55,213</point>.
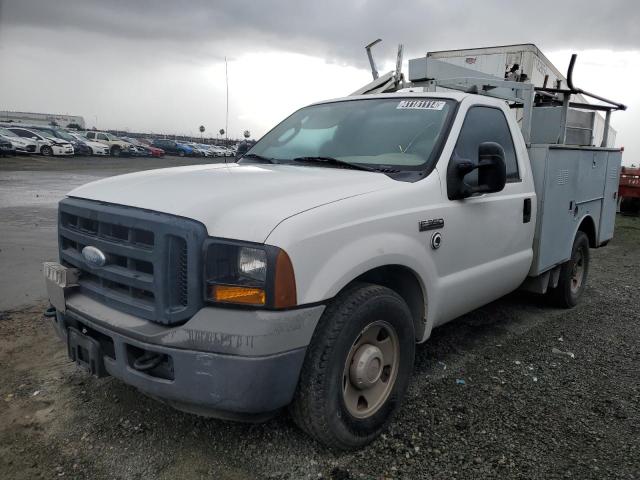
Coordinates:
<point>334,161</point>
<point>260,158</point>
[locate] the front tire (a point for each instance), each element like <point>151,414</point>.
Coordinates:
<point>357,368</point>
<point>46,150</point>
<point>181,153</point>
<point>115,151</point>
<point>573,274</point>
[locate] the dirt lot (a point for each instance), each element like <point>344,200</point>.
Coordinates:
<point>489,399</point>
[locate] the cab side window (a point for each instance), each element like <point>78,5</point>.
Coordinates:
<point>102,136</point>
<point>486,124</point>
<point>23,133</point>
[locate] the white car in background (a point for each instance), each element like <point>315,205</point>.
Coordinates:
<point>97,148</point>
<point>46,146</point>
<point>220,151</point>
<point>21,145</point>
<point>200,150</point>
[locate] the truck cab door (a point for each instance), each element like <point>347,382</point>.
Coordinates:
<point>486,245</point>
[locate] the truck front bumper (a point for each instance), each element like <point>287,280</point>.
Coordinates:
<point>227,363</point>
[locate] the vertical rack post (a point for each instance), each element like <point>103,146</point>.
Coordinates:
<point>605,134</point>
<point>566,97</point>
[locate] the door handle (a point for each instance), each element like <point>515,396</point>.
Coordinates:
<point>526,211</point>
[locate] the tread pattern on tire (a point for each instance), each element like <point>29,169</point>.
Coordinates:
<point>562,294</point>
<point>306,413</point>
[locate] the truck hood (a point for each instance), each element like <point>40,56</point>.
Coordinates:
<point>243,202</point>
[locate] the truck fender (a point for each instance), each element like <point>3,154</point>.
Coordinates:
<point>322,280</point>
<point>588,225</point>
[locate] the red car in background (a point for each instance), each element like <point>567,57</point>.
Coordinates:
<point>142,142</point>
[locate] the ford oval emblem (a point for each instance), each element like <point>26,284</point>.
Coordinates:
<point>94,256</point>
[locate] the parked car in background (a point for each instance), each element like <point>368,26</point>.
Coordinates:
<point>20,144</point>
<point>6,147</point>
<point>96,148</point>
<point>173,148</point>
<point>219,151</point>
<point>209,150</point>
<point>118,146</point>
<point>199,150</point>
<point>138,151</point>
<point>79,146</point>
<point>46,145</point>
<point>149,149</point>
<point>145,142</point>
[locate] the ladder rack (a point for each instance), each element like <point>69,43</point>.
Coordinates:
<point>430,73</point>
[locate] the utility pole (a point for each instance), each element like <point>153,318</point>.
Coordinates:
<point>226,123</point>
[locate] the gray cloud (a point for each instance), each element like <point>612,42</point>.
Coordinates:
<point>333,29</point>
<point>155,65</point>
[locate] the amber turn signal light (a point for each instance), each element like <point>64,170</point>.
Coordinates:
<point>284,292</point>
<point>241,295</point>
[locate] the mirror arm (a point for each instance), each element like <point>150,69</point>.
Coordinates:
<point>465,167</point>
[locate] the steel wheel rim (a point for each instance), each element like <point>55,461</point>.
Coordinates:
<point>577,271</point>
<point>370,369</point>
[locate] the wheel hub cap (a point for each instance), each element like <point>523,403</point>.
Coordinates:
<point>370,369</point>
<point>577,272</point>
<point>366,367</point>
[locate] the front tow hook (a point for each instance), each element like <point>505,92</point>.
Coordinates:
<point>147,361</point>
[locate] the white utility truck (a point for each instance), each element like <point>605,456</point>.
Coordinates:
<point>305,274</point>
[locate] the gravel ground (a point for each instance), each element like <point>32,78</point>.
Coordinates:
<point>489,399</point>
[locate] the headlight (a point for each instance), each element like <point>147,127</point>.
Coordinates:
<point>252,263</point>
<point>248,274</point>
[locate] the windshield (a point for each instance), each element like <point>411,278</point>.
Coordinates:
<point>398,132</point>
<point>65,135</point>
<point>52,132</point>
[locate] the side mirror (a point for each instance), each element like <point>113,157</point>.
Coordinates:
<point>492,172</point>
<point>34,138</point>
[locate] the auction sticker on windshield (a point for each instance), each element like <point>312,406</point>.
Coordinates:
<point>421,104</point>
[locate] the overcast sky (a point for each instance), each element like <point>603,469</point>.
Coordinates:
<point>158,65</point>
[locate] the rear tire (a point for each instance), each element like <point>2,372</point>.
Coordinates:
<point>46,150</point>
<point>357,368</point>
<point>573,274</point>
<point>181,153</point>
